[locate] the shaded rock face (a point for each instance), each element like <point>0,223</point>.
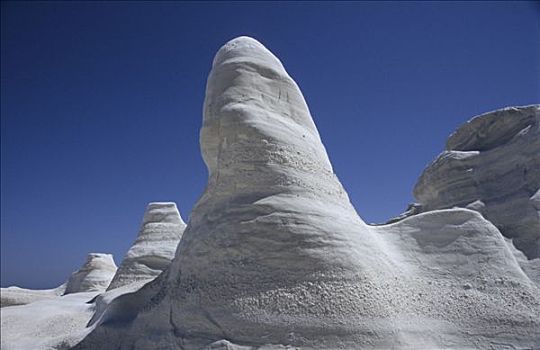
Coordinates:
<point>491,164</point>
<point>95,274</point>
<point>154,248</point>
<point>149,256</point>
<point>274,254</point>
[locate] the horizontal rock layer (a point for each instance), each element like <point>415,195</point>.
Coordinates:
<point>491,164</point>
<point>95,274</point>
<point>154,248</point>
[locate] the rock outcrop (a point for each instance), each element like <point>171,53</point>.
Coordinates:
<point>94,276</point>
<point>531,267</point>
<point>12,296</point>
<point>491,164</point>
<point>55,318</point>
<point>274,254</point>
<point>154,248</point>
<point>48,324</point>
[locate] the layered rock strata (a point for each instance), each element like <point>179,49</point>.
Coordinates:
<point>274,254</point>
<point>95,274</point>
<point>154,248</point>
<point>491,164</point>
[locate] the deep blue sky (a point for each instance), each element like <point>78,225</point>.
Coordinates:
<point>101,105</point>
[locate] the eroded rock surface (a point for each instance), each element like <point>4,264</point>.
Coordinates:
<point>491,164</point>
<point>48,324</point>
<point>275,256</point>
<point>154,248</point>
<point>94,276</point>
<point>56,318</point>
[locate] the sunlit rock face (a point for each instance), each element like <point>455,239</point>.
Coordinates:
<point>54,323</point>
<point>491,164</point>
<point>274,254</point>
<point>95,274</point>
<point>273,240</point>
<point>154,248</point>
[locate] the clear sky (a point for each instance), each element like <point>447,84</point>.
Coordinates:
<point>101,105</point>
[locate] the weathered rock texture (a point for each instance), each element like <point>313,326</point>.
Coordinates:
<point>48,324</point>
<point>275,255</point>
<point>154,248</point>
<point>95,274</point>
<point>491,164</point>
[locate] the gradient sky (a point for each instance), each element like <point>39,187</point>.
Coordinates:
<point>101,105</point>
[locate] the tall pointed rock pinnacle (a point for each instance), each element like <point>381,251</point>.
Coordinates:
<point>154,248</point>
<point>274,219</point>
<point>275,255</point>
<point>272,195</point>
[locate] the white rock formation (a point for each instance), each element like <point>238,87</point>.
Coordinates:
<point>48,324</point>
<point>275,255</point>
<point>154,248</point>
<point>491,164</point>
<point>531,267</point>
<point>12,296</point>
<point>95,274</point>
<point>150,254</point>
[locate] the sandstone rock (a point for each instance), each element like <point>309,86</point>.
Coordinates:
<point>154,247</point>
<point>274,255</point>
<point>95,274</point>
